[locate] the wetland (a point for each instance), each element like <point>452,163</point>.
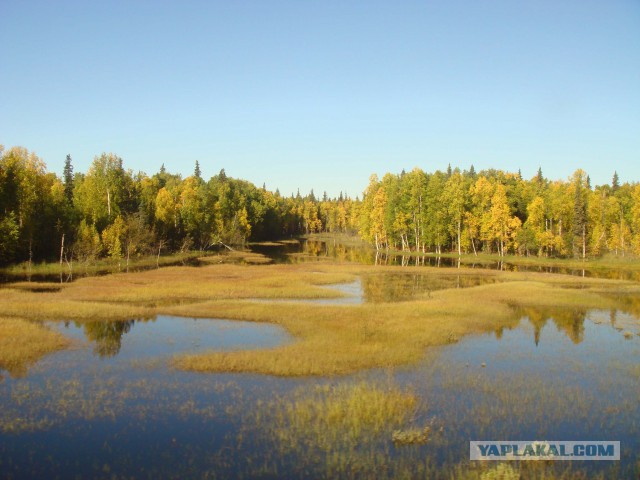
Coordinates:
<point>307,361</point>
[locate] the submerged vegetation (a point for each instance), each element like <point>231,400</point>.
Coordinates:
<point>333,415</point>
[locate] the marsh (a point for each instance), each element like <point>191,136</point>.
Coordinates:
<point>314,369</point>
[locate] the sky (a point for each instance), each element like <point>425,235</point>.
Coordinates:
<point>321,94</point>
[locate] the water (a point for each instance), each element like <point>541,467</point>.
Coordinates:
<point>307,250</point>
<point>165,336</point>
<point>112,406</point>
<point>391,287</point>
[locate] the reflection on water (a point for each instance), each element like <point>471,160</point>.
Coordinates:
<point>167,335</point>
<point>390,287</point>
<point>397,287</point>
<point>557,374</point>
<point>313,250</point>
<point>107,336</point>
<point>568,321</point>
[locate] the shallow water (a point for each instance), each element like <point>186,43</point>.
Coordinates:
<point>309,250</point>
<point>112,406</point>
<point>390,287</point>
<point>165,336</point>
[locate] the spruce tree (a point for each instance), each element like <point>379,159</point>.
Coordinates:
<point>579,219</point>
<point>68,179</point>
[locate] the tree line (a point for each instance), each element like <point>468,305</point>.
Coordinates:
<point>498,212</point>
<point>112,211</point>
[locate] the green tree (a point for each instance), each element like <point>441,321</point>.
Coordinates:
<point>105,192</point>
<point>88,244</point>
<point>615,182</point>
<point>635,219</point>
<point>580,196</point>
<point>68,179</point>
<point>435,212</point>
<point>454,197</point>
<point>9,235</point>
<point>597,220</point>
<point>112,238</point>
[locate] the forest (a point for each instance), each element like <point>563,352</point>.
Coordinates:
<point>110,211</point>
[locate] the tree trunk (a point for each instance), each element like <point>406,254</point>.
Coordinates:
<point>30,253</point>
<point>621,234</point>
<point>61,249</point>
<point>158,257</point>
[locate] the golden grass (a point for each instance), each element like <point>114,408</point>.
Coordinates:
<point>237,256</point>
<point>339,340</point>
<point>339,414</point>
<point>333,431</point>
<point>329,339</point>
<point>23,342</point>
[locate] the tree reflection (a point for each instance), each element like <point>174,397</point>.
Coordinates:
<point>396,287</point>
<point>107,336</point>
<point>570,321</point>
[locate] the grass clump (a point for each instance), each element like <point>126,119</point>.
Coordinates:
<point>331,416</point>
<point>351,409</point>
<point>411,436</point>
<point>23,342</point>
<point>502,471</point>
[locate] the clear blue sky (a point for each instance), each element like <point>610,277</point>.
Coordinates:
<point>322,94</point>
